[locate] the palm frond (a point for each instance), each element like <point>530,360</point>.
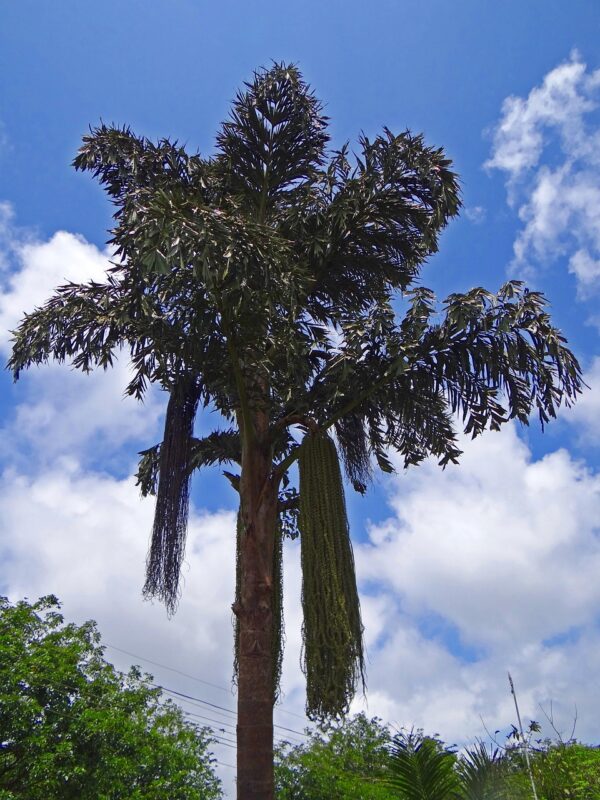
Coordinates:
<point>421,769</point>
<point>85,323</point>
<point>274,140</point>
<point>380,219</point>
<point>125,163</point>
<point>481,774</point>
<point>496,348</point>
<point>219,447</point>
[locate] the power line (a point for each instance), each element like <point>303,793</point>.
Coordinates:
<point>191,677</point>
<point>222,739</point>
<point>209,719</point>
<point>230,725</point>
<point>216,742</point>
<point>172,669</point>
<point>224,744</point>
<point>215,736</point>
<point>222,722</point>
<point>193,699</point>
<point>277,739</point>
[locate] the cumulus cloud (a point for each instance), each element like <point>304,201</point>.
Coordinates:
<point>83,536</point>
<point>486,567</point>
<point>548,146</point>
<point>511,531</point>
<point>61,411</point>
<point>585,414</point>
<point>566,94</point>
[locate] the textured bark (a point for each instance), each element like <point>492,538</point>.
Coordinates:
<point>255,679</point>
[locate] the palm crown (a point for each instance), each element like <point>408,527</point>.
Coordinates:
<point>268,248</point>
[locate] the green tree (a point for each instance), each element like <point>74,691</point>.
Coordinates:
<point>346,761</point>
<point>359,759</point>
<point>73,728</point>
<point>276,282</point>
<point>561,771</point>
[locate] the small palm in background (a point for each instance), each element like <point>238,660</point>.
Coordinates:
<point>422,768</point>
<point>485,775</point>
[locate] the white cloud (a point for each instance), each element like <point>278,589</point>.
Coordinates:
<point>586,269</point>
<point>548,145</point>
<point>560,103</point>
<point>585,414</point>
<point>475,214</point>
<point>502,553</point>
<point>504,529</point>
<point>83,536</point>
<point>61,411</point>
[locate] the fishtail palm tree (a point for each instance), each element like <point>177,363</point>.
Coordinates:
<point>260,281</point>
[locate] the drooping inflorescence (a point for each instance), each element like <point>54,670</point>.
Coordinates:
<point>333,657</point>
<point>167,547</point>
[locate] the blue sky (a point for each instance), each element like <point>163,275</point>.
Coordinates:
<point>464,574</point>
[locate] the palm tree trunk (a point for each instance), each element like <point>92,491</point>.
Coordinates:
<point>254,611</point>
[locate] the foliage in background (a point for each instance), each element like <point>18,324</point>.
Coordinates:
<point>346,761</point>
<point>361,759</point>
<point>561,771</point>
<point>73,728</point>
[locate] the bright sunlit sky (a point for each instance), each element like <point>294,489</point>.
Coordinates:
<point>464,574</point>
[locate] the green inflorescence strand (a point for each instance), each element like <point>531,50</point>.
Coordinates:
<point>333,656</point>
<point>278,634</point>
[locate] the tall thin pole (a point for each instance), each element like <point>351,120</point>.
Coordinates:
<point>525,742</point>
